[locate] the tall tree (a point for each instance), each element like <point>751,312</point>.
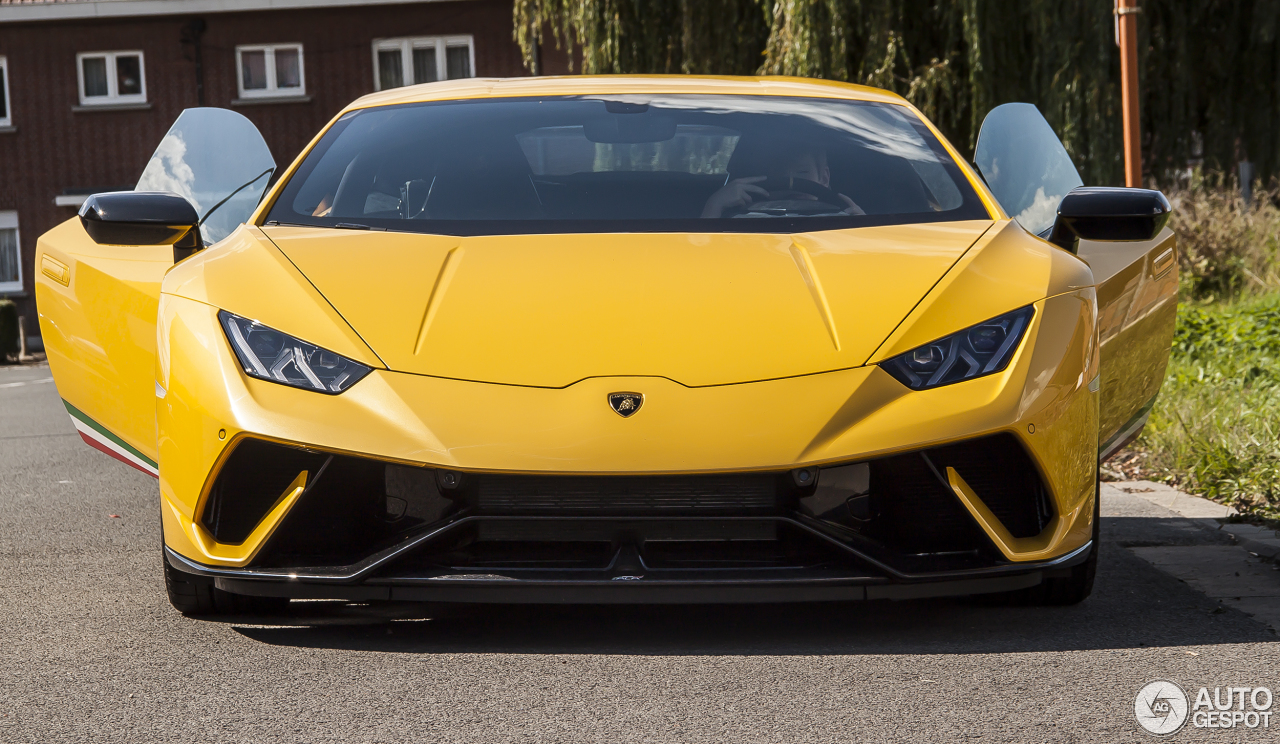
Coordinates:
<point>1210,69</point>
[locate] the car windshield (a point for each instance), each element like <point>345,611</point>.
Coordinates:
<point>627,163</point>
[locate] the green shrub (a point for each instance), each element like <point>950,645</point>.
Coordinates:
<point>8,329</point>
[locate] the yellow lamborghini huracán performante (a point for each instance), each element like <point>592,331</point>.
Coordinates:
<point>615,339</point>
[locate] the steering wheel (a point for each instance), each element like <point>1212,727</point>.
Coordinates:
<point>787,196</point>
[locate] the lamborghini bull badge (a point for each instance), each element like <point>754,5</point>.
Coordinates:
<point>625,404</point>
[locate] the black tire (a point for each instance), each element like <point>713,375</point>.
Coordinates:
<point>1062,591</point>
<point>196,596</point>
<point>188,593</point>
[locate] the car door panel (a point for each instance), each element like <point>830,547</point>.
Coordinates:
<point>98,304</point>
<point>1137,311</point>
<point>99,336</point>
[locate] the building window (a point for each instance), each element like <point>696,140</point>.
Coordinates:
<point>5,119</point>
<point>10,255</point>
<point>424,59</point>
<point>270,70</point>
<point>111,77</point>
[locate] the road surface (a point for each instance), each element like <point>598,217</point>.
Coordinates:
<point>92,652</point>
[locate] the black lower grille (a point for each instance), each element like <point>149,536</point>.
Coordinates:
<point>914,510</point>
<point>1001,473</point>
<point>739,494</point>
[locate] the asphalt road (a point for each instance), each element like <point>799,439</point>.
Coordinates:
<point>92,652</point>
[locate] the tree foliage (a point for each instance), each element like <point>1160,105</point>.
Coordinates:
<point>1209,69</point>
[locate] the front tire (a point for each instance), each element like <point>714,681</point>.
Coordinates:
<point>196,596</point>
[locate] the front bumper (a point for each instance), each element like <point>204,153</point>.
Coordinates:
<point>1041,404</point>
<point>893,527</point>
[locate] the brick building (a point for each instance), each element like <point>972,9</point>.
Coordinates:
<point>88,87</point>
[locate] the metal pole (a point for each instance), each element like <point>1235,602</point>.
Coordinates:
<point>1126,13</point>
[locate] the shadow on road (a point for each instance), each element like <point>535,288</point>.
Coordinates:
<point>1133,605</point>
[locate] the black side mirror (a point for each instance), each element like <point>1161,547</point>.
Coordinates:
<point>143,218</point>
<point>1102,213</point>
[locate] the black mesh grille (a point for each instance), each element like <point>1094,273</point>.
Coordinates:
<point>249,484</point>
<point>1001,473</point>
<point>631,496</point>
<point>915,513</point>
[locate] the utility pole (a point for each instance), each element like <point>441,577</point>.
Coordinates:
<point>1126,13</point>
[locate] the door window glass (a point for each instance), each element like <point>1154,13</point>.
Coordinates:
<point>191,162</point>
<point>1025,165</point>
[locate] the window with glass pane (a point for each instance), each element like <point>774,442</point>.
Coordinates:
<point>413,61</point>
<point>108,78</point>
<point>271,70</point>
<point>390,73</point>
<point>424,65</point>
<point>288,68</point>
<point>95,77</point>
<point>128,75</point>
<point>9,256</point>
<point>458,61</point>
<point>4,92</point>
<point>253,69</point>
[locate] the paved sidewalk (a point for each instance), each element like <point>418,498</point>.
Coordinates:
<point>1260,541</point>
<point>1239,571</point>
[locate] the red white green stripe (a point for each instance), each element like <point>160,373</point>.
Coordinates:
<point>100,438</point>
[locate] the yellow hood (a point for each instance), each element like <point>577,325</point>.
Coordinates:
<point>700,309</point>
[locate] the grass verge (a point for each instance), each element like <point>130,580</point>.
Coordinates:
<point>1215,430</point>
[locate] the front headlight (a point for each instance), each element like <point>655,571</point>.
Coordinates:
<point>271,355</point>
<point>976,351</point>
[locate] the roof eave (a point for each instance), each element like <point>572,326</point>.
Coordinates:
<point>103,9</point>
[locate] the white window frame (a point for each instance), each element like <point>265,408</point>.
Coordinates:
<point>7,119</point>
<point>113,97</point>
<point>407,44</point>
<point>9,221</point>
<point>272,90</point>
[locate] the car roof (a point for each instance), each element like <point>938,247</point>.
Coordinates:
<point>593,85</point>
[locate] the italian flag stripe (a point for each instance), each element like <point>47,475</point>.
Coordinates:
<point>100,438</point>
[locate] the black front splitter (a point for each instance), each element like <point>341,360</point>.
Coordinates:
<point>652,587</point>
<point>639,591</point>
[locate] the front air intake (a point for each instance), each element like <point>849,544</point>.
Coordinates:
<point>251,481</point>
<point>1001,473</point>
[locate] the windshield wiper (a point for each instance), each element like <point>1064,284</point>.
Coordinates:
<point>357,226</point>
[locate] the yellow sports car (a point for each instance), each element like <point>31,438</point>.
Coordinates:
<point>615,339</point>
